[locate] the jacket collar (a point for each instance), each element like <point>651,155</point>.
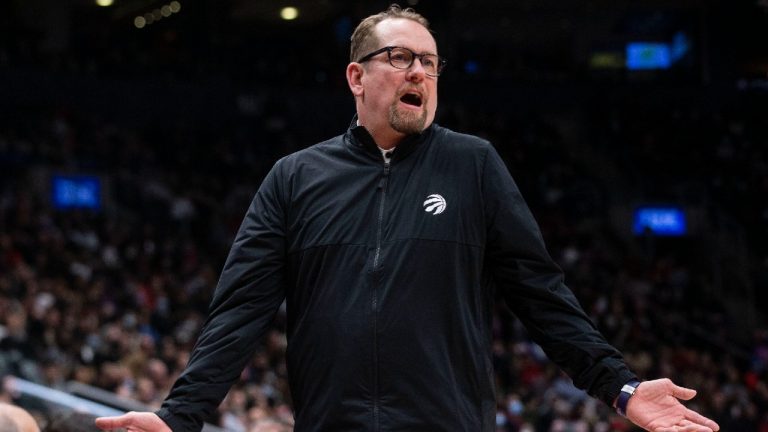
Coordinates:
<point>360,137</point>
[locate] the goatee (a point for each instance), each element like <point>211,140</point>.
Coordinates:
<point>406,121</point>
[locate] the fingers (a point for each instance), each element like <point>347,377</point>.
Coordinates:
<point>684,426</point>
<point>682,392</point>
<point>107,423</point>
<point>696,418</point>
<point>700,419</point>
<point>688,426</point>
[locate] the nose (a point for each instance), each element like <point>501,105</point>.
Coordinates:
<point>416,72</point>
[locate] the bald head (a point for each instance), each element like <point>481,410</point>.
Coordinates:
<point>16,419</point>
<point>7,424</point>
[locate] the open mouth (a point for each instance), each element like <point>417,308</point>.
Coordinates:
<point>412,99</point>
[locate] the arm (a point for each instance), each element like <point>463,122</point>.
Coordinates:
<point>533,287</point>
<point>248,294</point>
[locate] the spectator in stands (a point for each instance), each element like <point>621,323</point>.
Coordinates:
<point>7,424</point>
<point>271,426</point>
<point>16,419</point>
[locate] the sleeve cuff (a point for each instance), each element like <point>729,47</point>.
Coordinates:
<point>169,419</point>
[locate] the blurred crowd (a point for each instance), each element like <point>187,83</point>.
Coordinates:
<point>115,298</point>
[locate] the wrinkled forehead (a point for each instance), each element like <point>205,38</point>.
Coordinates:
<point>406,33</point>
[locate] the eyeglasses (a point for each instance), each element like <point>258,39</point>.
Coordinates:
<point>403,58</point>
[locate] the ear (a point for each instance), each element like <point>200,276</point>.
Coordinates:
<point>355,73</point>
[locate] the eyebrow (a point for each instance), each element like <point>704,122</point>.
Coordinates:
<point>417,52</point>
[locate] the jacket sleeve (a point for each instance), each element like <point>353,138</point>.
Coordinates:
<point>248,294</point>
<point>532,285</point>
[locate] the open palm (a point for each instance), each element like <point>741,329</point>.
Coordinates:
<point>655,407</point>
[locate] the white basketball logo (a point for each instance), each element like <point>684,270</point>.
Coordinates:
<point>434,204</point>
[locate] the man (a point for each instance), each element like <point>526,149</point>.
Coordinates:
<point>388,243</point>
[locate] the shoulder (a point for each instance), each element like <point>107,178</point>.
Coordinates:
<point>451,140</point>
<point>309,155</point>
<point>461,145</point>
<point>296,168</point>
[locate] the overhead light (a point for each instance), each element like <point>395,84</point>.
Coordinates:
<point>155,15</point>
<point>289,13</point>
<point>104,3</point>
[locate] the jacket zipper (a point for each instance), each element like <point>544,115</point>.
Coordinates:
<point>383,186</point>
<point>374,303</point>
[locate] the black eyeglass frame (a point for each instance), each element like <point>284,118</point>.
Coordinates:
<point>440,61</point>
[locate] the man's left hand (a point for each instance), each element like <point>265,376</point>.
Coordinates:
<point>655,407</point>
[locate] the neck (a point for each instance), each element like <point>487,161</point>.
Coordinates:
<point>385,138</point>
<point>387,141</point>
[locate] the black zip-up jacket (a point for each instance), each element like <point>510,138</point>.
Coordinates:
<point>389,271</point>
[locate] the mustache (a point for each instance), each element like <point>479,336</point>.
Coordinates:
<point>412,88</point>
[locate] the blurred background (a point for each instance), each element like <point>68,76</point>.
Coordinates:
<point>134,133</point>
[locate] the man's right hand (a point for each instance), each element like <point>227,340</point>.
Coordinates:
<point>134,422</point>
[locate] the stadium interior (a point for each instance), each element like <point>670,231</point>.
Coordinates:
<point>134,133</point>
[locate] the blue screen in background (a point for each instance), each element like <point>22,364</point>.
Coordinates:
<point>661,221</point>
<point>647,55</point>
<point>76,192</point>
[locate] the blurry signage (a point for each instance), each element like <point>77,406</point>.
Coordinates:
<point>662,221</point>
<point>656,55</point>
<point>76,192</point>
<point>647,55</point>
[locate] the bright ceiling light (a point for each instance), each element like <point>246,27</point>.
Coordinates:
<point>289,13</point>
<point>104,3</point>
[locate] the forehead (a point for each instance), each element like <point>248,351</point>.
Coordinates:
<point>405,33</point>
